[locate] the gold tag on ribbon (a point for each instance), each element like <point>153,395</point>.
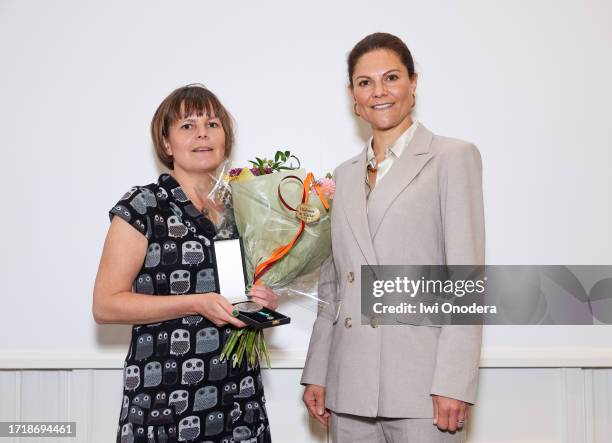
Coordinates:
<point>307,213</point>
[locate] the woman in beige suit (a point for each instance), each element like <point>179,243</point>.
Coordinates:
<point>410,197</point>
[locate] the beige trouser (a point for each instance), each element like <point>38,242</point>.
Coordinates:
<point>346,428</point>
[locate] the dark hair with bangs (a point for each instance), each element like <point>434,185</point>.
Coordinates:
<point>380,40</point>
<point>193,99</point>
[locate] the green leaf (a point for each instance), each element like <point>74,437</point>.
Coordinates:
<point>265,352</point>
<point>277,155</point>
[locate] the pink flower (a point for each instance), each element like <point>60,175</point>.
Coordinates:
<point>327,187</point>
<point>235,172</point>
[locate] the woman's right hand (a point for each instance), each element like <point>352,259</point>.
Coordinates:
<point>217,309</point>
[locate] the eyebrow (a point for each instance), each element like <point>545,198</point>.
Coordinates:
<point>385,73</point>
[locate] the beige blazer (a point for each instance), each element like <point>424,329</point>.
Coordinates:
<point>428,209</point>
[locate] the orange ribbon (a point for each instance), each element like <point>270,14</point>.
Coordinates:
<point>280,252</point>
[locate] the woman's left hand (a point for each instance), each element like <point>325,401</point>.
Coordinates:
<point>265,296</point>
<point>449,414</point>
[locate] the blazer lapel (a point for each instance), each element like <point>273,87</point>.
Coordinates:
<point>354,204</point>
<point>404,170</point>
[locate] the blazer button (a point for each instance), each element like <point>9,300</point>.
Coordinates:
<point>351,277</point>
<point>348,322</point>
<point>374,322</point>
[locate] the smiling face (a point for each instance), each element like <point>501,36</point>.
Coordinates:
<point>196,142</point>
<point>382,90</point>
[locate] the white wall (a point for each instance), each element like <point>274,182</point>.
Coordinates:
<point>528,82</point>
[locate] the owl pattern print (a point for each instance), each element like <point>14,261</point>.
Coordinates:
<point>175,386</point>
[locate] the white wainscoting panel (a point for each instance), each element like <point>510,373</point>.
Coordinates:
<point>515,405</point>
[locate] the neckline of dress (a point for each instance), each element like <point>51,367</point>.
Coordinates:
<point>179,197</point>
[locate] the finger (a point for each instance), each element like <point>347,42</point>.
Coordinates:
<point>320,398</point>
<point>260,292</point>
<point>434,399</point>
<point>262,301</point>
<point>312,408</point>
<point>442,418</point>
<point>230,318</point>
<point>452,420</point>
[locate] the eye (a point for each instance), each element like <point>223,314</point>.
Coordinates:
<point>166,412</point>
<point>174,364</point>
<point>226,388</point>
<point>199,364</point>
<point>149,338</point>
<point>219,415</point>
<point>167,365</point>
<point>363,83</point>
<point>155,414</point>
<point>186,126</point>
<point>392,77</point>
<point>213,124</point>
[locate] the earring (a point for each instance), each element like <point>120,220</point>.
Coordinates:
<point>355,110</point>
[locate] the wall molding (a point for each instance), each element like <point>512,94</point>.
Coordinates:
<point>294,359</point>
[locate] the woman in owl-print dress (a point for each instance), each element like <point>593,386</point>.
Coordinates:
<point>158,273</point>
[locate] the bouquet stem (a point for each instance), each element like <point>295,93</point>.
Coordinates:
<point>249,341</point>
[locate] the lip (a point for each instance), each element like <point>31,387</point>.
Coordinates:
<point>382,106</point>
<point>202,149</point>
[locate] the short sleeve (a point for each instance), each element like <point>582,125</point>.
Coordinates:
<point>136,207</point>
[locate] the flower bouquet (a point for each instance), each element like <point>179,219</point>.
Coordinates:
<point>282,215</point>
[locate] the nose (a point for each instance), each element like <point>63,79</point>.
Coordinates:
<point>380,89</point>
<point>202,132</point>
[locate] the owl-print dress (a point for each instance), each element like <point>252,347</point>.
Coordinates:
<point>175,386</point>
